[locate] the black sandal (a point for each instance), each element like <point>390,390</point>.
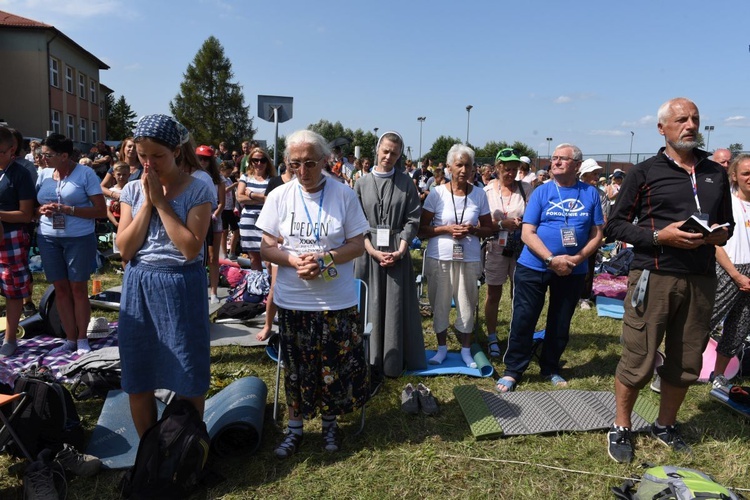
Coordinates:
<point>332,438</point>
<point>289,445</point>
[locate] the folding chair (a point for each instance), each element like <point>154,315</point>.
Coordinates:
<point>273,350</point>
<point>20,401</point>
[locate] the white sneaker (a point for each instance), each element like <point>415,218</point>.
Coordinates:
<point>585,304</point>
<point>214,299</point>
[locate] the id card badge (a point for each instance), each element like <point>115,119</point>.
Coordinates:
<point>383,237</point>
<point>458,251</point>
<point>568,235</point>
<point>58,221</point>
<point>502,238</point>
<point>701,216</point>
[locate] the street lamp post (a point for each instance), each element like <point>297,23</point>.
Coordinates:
<point>375,151</point>
<point>549,145</point>
<point>421,120</point>
<point>632,134</point>
<point>468,118</point>
<point>708,129</point>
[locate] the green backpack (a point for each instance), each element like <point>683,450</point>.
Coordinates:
<point>674,483</point>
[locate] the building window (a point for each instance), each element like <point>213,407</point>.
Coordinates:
<point>71,128</point>
<point>92,88</point>
<point>68,79</point>
<point>81,86</point>
<point>56,121</point>
<point>83,130</point>
<point>54,76</point>
<point>94,131</point>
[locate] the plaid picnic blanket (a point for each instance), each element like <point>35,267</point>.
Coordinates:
<point>35,351</point>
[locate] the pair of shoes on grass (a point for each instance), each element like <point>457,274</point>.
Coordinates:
<point>620,445</point>
<point>292,441</point>
<point>413,400</point>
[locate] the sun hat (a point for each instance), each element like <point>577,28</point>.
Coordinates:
<point>618,174</point>
<point>508,154</point>
<point>98,328</point>
<point>525,159</point>
<point>541,172</point>
<point>589,165</point>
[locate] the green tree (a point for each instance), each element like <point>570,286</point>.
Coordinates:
<point>700,140</point>
<point>439,150</point>
<point>209,104</point>
<point>735,148</point>
<point>330,131</point>
<point>120,119</point>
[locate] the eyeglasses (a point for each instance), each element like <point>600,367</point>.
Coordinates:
<point>234,155</point>
<point>507,153</point>
<point>47,156</point>
<point>260,160</point>
<point>203,158</point>
<point>562,158</point>
<point>309,164</point>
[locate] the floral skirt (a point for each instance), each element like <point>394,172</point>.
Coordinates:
<point>324,359</point>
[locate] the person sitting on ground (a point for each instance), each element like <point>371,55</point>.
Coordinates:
<point>455,217</point>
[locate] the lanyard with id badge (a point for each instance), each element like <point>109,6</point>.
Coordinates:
<point>58,219</point>
<point>458,249</point>
<point>567,233</point>
<point>694,184</point>
<point>327,268</point>
<point>383,234</point>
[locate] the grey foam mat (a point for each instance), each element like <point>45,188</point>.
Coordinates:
<point>532,412</point>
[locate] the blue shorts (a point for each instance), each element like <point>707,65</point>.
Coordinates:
<point>63,258</point>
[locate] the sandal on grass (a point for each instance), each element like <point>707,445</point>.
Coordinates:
<point>505,385</point>
<point>494,348</point>
<point>557,381</point>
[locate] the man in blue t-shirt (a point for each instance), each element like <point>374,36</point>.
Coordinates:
<point>562,227</point>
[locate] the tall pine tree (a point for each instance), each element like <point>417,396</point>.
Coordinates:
<point>209,105</point>
<point>120,118</point>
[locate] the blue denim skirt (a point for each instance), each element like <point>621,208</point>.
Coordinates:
<point>163,329</point>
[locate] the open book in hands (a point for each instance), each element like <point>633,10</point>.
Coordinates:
<point>696,225</point>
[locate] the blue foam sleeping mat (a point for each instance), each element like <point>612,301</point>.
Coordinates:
<point>233,416</point>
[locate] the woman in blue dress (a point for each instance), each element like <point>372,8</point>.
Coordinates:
<point>163,324</point>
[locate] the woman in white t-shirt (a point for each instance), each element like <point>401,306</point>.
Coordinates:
<point>455,217</point>
<point>507,199</point>
<point>321,226</point>
<point>733,274</point>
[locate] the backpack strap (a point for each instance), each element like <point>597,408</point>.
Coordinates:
<point>520,188</point>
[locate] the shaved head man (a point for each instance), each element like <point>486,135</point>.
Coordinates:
<point>722,157</point>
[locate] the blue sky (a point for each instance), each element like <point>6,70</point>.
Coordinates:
<point>586,72</point>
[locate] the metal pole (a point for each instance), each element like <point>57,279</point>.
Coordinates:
<point>708,129</point>
<point>549,144</point>
<point>421,120</point>
<point>276,135</point>
<point>632,134</point>
<point>468,120</point>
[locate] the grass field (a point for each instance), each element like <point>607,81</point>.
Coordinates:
<point>402,456</point>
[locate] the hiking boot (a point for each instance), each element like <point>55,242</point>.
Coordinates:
<point>670,436</point>
<point>39,479</point>
<point>8,349</point>
<point>79,464</point>
<point>29,309</point>
<point>620,444</point>
<point>289,445</point>
<point>332,438</point>
<point>410,400</point>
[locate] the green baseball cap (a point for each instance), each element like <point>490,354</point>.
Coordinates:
<point>508,154</point>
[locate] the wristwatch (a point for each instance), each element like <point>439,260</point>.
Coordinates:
<point>655,240</point>
<point>548,260</point>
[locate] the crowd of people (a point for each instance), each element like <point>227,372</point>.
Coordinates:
<point>325,218</point>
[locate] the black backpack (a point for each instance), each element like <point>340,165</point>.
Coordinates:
<point>96,383</point>
<point>171,455</point>
<point>49,418</point>
<point>619,265</point>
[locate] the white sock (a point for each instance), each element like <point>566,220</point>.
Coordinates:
<point>492,337</point>
<point>67,347</point>
<point>328,420</point>
<point>83,345</point>
<point>439,357</point>
<point>466,356</point>
<point>295,427</point>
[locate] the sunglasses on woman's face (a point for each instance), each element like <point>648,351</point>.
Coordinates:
<point>261,160</point>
